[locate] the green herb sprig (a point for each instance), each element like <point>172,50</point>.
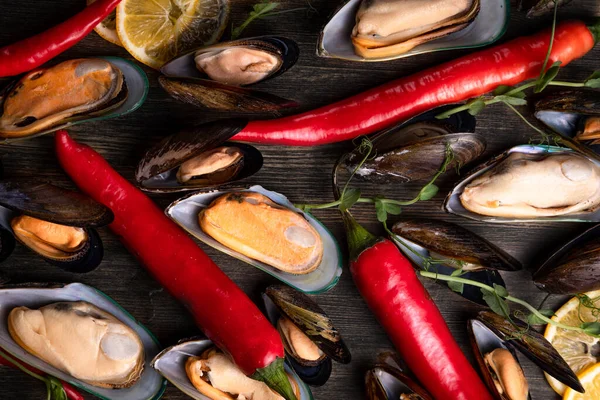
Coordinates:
<point>261,10</point>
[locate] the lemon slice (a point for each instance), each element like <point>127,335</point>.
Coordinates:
<point>590,379</point>
<point>107,29</point>
<point>155,31</point>
<point>579,350</point>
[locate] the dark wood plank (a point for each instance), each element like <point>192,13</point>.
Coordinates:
<point>302,174</point>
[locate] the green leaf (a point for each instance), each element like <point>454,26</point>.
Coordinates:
<point>475,106</point>
<point>515,101</point>
<point>501,291</point>
<point>502,89</point>
<point>547,77</point>
<point>457,272</point>
<point>591,328</point>
<point>55,389</point>
<point>260,10</point>
<point>380,211</point>
<point>594,80</point>
<point>533,319</point>
<point>428,192</point>
<point>495,302</point>
<point>458,287</point>
<point>350,197</point>
<point>392,208</point>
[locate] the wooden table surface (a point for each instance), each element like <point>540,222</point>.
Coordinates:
<point>303,174</point>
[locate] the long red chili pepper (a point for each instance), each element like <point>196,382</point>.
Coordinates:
<point>388,283</point>
<point>32,52</point>
<point>458,80</point>
<point>221,309</point>
<point>70,391</point>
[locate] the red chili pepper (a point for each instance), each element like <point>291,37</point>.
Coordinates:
<point>388,283</point>
<point>70,391</point>
<point>455,81</point>
<point>221,309</point>
<point>32,52</point>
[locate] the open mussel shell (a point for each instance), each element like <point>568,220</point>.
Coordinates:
<point>305,313</point>
<point>388,381</point>
<point>533,345</point>
<point>537,8</point>
<point>483,342</point>
<point>567,112</point>
<point>453,204</point>
<point>150,385</point>
<point>133,94</point>
<point>185,213</point>
<point>412,244</point>
<point>170,363</point>
<point>157,171</point>
<point>488,26</point>
<point>574,268</point>
<point>417,148</point>
<point>49,203</point>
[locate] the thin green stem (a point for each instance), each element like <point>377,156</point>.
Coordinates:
<point>22,368</point>
<point>551,42</point>
<point>538,130</point>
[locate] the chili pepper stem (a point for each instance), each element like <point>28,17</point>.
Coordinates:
<point>595,30</point>
<point>275,377</point>
<point>359,239</point>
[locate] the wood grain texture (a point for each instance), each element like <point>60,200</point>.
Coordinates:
<point>302,174</point>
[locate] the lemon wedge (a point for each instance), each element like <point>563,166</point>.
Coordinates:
<point>156,31</point>
<point>107,29</point>
<point>590,379</point>
<point>579,350</point>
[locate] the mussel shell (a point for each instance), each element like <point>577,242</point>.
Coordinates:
<point>537,8</point>
<point>170,363</point>
<point>85,260</point>
<point>387,383</point>
<point>574,267</point>
<point>137,87</point>
<point>213,95</point>
<point>489,26</point>
<point>416,254</point>
<point>53,204</point>
<point>185,213</point>
<point>311,320</point>
<point>150,386</point>
<point>455,242</point>
<point>483,341</point>
<point>285,49</point>
<point>157,170</point>
<point>533,345</point>
<point>453,205</point>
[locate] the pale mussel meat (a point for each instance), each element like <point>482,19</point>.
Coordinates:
<point>204,372</point>
<point>444,247</point>
<point>573,113</point>
<point>530,183</point>
<point>515,334</point>
<point>212,77</point>
<point>81,336</point>
<point>498,363</point>
<point>387,28</point>
<point>574,268</point>
<point>417,149</point>
<point>198,158</point>
<point>57,224</point>
<point>310,340</point>
<point>71,92</point>
<point>388,380</point>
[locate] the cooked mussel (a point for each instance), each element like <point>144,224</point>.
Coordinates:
<point>574,268</point>
<point>417,149</point>
<point>204,372</point>
<point>55,223</point>
<point>572,113</point>
<point>81,336</point>
<point>498,363</point>
<point>387,28</point>
<point>537,8</point>
<point>444,247</point>
<point>381,30</point>
<point>211,76</point>
<point>198,158</point>
<point>388,381</point>
<point>311,263</point>
<point>530,183</point>
<point>518,335</point>
<point>309,337</point>
<point>69,93</point>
